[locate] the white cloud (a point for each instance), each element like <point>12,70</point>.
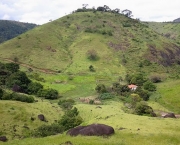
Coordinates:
<point>41,11</point>
<point>6,17</point>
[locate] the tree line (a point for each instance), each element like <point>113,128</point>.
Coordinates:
<point>104,8</point>
<point>18,82</point>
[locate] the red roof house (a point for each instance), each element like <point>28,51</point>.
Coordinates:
<point>132,87</point>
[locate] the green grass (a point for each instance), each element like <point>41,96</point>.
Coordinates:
<point>17,115</point>
<point>138,129</point>
<point>168,94</point>
<point>168,29</point>
<point>63,44</point>
<point>67,38</point>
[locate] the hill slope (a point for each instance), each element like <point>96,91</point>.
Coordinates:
<point>10,29</point>
<point>62,45</point>
<point>169,30</point>
<point>176,20</point>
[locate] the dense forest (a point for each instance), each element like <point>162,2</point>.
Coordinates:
<point>10,29</point>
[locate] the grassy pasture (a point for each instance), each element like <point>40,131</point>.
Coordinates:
<point>16,116</point>
<point>168,94</point>
<point>138,129</point>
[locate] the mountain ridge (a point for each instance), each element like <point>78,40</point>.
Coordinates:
<point>10,29</point>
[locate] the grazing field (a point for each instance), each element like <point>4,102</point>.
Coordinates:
<point>168,95</point>
<point>129,129</point>
<point>16,116</point>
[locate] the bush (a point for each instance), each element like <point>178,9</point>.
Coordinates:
<point>149,86</point>
<point>18,97</point>
<point>7,96</point>
<point>48,93</point>
<point>92,55</point>
<point>34,87</point>
<point>156,78</point>
<point>138,79</point>
<point>143,109</point>
<point>91,68</point>
<point>100,88</point>
<point>144,94</point>
<point>70,119</point>
<point>105,96</point>
<point>1,93</point>
<point>66,104</point>
<point>12,67</point>
<point>47,130</point>
<point>20,79</point>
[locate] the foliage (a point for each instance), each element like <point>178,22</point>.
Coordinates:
<point>120,89</point>
<point>47,130</point>
<point>17,97</point>
<point>12,67</point>
<point>134,98</point>
<point>92,55</point>
<point>91,68</point>
<point>20,79</point>
<point>37,77</point>
<point>1,93</point>
<point>156,78</point>
<point>144,94</point>
<point>105,96</point>
<point>143,109</point>
<point>11,29</point>
<point>100,88</point>
<point>138,79</point>
<point>149,86</point>
<point>34,87</point>
<point>48,93</point>
<point>70,119</point>
<point>66,104</point>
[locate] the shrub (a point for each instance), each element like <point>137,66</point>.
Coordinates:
<point>92,55</point>
<point>7,96</point>
<point>105,96</point>
<point>47,130</point>
<point>66,104</point>
<point>156,78</point>
<point>144,94</point>
<point>100,88</point>
<point>34,87</point>
<point>12,67</point>
<point>149,86</point>
<point>48,93</point>
<point>91,68</point>
<point>70,119</point>
<point>1,93</point>
<point>143,109</point>
<point>20,79</point>
<point>22,98</point>
<point>18,97</point>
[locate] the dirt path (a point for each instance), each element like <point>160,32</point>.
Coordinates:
<point>48,71</point>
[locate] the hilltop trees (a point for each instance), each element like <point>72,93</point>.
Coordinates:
<point>105,8</point>
<point>127,13</point>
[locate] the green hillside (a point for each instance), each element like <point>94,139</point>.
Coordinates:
<point>118,41</point>
<point>10,29</point>
<point>170,30</point>
<point>74,55</point>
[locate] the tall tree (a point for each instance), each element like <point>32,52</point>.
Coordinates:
<point>127,13</point>
<point>107,9</point>
<point>84,6</point>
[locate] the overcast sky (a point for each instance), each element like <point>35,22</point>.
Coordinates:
<point>41,11</point>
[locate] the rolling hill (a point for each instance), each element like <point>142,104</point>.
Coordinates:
<point>10,29</point>
<point>78,51</point>
<point>169,30</point>
<point>177,20</point>
<point>62,45</point>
